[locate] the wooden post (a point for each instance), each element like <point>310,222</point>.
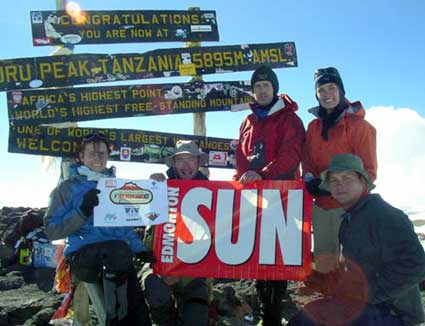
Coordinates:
<point>62,50</point>
<point>200,118</point>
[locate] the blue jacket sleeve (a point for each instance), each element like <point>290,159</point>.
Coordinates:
<point>135,243</point>
<point>62,218</point>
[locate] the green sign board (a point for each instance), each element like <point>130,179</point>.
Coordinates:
<point>129,145</point>
<point>55,105</point>
<point>105,27</point>
<point>67,70</point>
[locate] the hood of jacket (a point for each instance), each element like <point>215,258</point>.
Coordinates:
<point>283,102</point>
<point>171,174</point>
<point>355,108</point>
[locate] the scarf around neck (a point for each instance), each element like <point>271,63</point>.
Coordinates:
<point>93,175</point>
<point>262,111</point>
<point>330,119</point>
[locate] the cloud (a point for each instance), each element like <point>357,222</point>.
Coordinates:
<point>401,157</point>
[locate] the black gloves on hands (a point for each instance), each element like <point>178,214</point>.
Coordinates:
<point>146,256</point>
<point>90,200</point>
<point>313,188</point>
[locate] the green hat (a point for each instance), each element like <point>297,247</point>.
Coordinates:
<point>186,147</point>
<point>345,162</point>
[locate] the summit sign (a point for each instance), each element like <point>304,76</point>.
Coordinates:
<point>77,69</point>
<point>107,27</point>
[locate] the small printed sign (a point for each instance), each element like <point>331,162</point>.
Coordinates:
<point>217,158</point>
<point>125,202</point>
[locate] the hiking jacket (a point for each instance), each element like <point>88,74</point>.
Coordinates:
<point>64,219</point>
<point>271,147</point>
<point>381,240</point>
<point>351,134</point>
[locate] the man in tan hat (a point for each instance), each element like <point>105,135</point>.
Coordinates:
<point>177,300</point>
<point>185,162</point>
<point>383,260</point>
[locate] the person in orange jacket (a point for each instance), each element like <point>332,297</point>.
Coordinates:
<point>339,128</point>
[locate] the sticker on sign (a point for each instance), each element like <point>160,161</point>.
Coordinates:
<point>200,28</point>
<point>218,158</point>
<point>71,38</point>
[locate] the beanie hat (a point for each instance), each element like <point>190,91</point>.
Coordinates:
<point>345,162</point>
<point>328,75</point>
<point>265,73</point>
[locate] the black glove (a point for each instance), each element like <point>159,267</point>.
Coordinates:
<point>90,200</point>
<point>146,256</point>
<point>313,188</point>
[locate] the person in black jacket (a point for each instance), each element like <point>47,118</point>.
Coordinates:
<point>173,300</point>
<point>382,261</point>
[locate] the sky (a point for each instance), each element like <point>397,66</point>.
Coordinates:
<point>378,46</point>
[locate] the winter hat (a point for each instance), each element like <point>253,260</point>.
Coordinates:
<point>186,147</point>
<point>345,162</point>
<point>265,73</point>
<point>328,75</point>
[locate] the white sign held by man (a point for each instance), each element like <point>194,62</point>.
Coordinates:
<point>124,202</point>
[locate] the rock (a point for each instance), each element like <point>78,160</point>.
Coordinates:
<point>22,304</point>
<point>10,282</point>
<point>26,296</point>
<point>7,255</point>
<point>41,318</point>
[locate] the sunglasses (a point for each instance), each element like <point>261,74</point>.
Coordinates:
<point>95,136</point>
<point>326,71</point>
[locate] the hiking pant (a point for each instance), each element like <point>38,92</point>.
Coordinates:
<point>110,263</point>
<point>177,305</point>
<point>270,295</point>
<point>336,312</point>
<point>326,249</point>
<point>91,261</point>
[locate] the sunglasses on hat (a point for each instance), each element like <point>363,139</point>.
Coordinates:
<point>326,71</point>
<point>95,136</point>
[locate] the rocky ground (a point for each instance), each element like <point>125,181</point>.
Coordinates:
<point>27,298</point>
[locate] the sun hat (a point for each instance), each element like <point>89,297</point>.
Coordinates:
<point>345,162</point>
<point>186,147</point>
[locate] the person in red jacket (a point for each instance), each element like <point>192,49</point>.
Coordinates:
<point>269,148</point>
<point>339,128</point>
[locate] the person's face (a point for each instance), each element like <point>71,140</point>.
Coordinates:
<point>95,156</point>
<point>328,95</point>
<point>346,187</point>
<point>263,92</point>
<point>186,165</point>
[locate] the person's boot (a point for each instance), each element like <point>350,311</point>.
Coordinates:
<point>115,294</point>
<point>195,313</point>
<point>270,294</point>
<point>164,315</point>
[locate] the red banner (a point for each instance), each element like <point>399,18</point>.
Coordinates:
<point>224,230</point>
